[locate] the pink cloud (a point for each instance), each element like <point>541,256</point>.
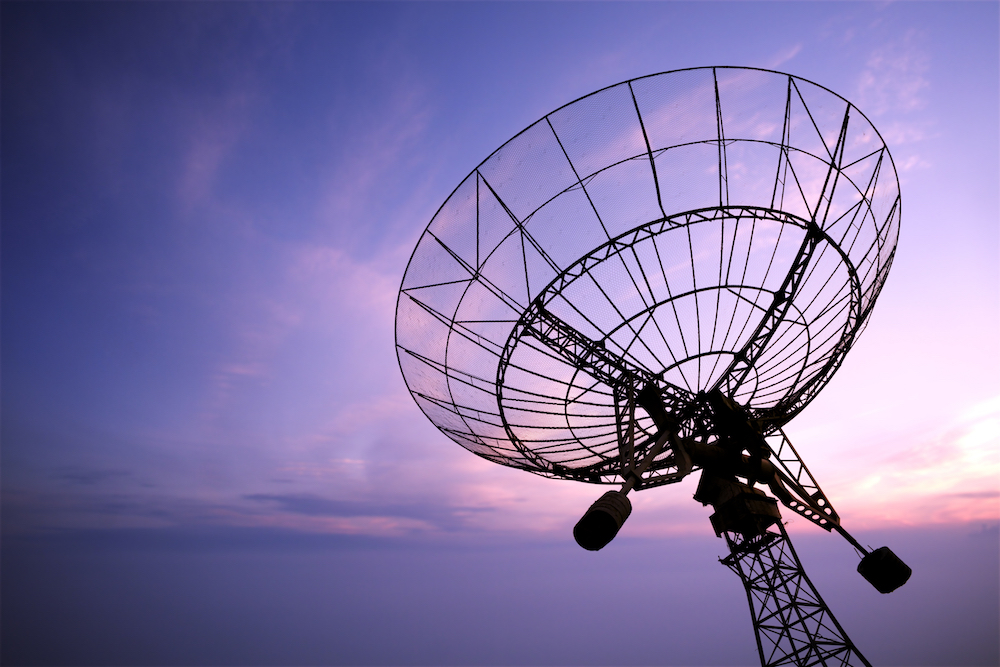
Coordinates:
<point>944,475</point>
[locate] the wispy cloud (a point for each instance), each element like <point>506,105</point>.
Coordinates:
<point>948,475</point>
<point>385,155</point>
<point>895,84</point>
<point>783,56</point>
<point>895,78</point>
<point>214,134</point>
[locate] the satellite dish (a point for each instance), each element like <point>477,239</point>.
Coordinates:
<point>652,280</point>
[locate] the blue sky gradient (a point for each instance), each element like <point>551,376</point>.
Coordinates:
<point>207,211</point>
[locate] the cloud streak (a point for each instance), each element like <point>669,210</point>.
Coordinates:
<point>895,77</point>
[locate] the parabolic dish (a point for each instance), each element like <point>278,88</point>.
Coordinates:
<point>713,228</point>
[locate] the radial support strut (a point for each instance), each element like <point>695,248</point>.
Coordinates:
<point>792,623</point>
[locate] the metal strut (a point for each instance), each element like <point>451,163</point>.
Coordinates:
<point>592,356</point>
<point>632,385</point>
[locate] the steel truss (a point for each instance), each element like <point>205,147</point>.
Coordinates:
<point>792,623</point>
<point>604,300</point>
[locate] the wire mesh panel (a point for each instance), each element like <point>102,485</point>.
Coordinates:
<point>710,228</point>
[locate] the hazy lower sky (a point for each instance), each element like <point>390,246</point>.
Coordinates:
<point>207,210</point>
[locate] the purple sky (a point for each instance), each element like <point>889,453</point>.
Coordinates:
<point>207,211</point>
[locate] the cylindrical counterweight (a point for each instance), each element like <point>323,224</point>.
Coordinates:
<point>884,570</point>
<point>602,521</point>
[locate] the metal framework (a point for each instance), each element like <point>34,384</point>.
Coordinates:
<point>651,280</point>
<point>716,228</point>
<point>792,623</point>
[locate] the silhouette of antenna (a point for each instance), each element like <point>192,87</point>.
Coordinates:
<point>653,280</point>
